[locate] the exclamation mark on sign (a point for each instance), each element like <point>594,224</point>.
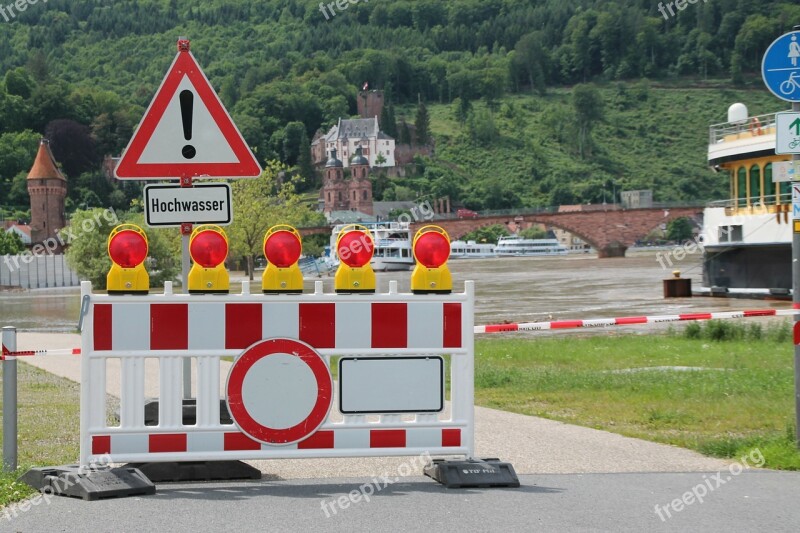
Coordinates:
<point>187,109</point>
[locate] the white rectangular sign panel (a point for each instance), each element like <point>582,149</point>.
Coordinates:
<point>173,205</point>
<point>787,133</point>
<point>786,171</point>
<point>391,385</point>
<point>796,201</point>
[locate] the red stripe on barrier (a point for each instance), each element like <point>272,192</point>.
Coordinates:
<point>101,444</point>
<point>497,328</point>
<point>451,438</point>
<point>321,440</point>
<point>795,306</point>
<point>695,316</point>
<point>318,325</point>
<point>763,312</point>
<point>102,327</point>
<point>239,441</point>
<point>797,333</point>
<point>242,325</point>
<point>626,320</point>
<point>167,443</point>
<point>169,326</point>
<point>389,325</point>
<point>565,324</point>
<point>452,325</point>
<point>76,351</point>
<point>387,438</point>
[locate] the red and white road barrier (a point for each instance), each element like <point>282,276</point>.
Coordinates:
<point>35,353</point>
<point>279,391</point>
<point>629,320</point>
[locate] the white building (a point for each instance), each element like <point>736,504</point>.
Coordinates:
<point>349,134</point>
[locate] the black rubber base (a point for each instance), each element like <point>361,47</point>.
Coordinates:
<point>298,291</point>
<point>138,293</point>
<point>189,417</point>
<point>432,292</point>
<point>354,291</point>
<point>472,473</point>
<point>91,483</point>
<point>209,292</point>
<point>196,471</point>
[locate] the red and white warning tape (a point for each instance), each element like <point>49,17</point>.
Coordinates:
<point>33,353</point>
<point>628,321</point>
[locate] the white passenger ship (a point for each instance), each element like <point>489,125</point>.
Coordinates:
<point>392,245</point>
<point>471,249</point>
<point>516,246</point>
<point>747,238</point>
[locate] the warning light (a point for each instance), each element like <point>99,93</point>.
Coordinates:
<point>127,248</point>
<point>354,246</point>
<point>282,248</point>
<point>431,250</point>
<point>208,247</point>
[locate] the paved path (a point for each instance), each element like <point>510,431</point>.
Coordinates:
<point>751,501</point>
<point>533,445</point>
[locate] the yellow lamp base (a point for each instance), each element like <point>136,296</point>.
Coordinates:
<point>282,280</point>
<point>354,280</point>
<point>209,280</point>
<point>127,280</point>
<point>431,280</point>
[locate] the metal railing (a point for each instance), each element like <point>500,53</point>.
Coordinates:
<point>757,125</point>
<point>755,201</point>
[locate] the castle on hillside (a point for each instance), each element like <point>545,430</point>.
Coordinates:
<point>365,132</point>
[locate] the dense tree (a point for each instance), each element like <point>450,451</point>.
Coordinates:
<point>588,105</point>
<point>10,243</point>
<point>422,124</point>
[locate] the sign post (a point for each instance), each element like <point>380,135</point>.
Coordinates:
<point>185,134</point>
<point>780,69</point>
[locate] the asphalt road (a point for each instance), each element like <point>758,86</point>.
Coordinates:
<point>750,501</point>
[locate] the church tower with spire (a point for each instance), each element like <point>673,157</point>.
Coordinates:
<point>47,188</point>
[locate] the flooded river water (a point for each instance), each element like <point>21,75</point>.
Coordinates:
<point>507,289</point>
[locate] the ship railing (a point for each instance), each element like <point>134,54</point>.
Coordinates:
<point>756,125</point>
<point>754,201</point>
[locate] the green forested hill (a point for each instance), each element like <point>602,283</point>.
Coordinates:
<point>81,71</point>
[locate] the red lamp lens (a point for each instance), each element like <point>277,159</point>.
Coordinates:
<point>432,249</point>
<point>208,249</point>
<point>128,249</point>
<point>355,248</point>
<point>283,249</point>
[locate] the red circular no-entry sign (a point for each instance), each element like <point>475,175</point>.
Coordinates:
<point>279,391</point>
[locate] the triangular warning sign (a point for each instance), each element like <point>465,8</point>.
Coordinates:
<point>186,132</point>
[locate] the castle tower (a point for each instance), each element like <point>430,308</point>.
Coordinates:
<point>47,187</point>
<point>360,187</point>
<point>333,186</point>
<point>370,104</point>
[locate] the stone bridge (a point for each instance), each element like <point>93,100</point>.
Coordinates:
<point>610,231</point>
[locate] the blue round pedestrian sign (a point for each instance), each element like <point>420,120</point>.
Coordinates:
<point>780,67</point>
